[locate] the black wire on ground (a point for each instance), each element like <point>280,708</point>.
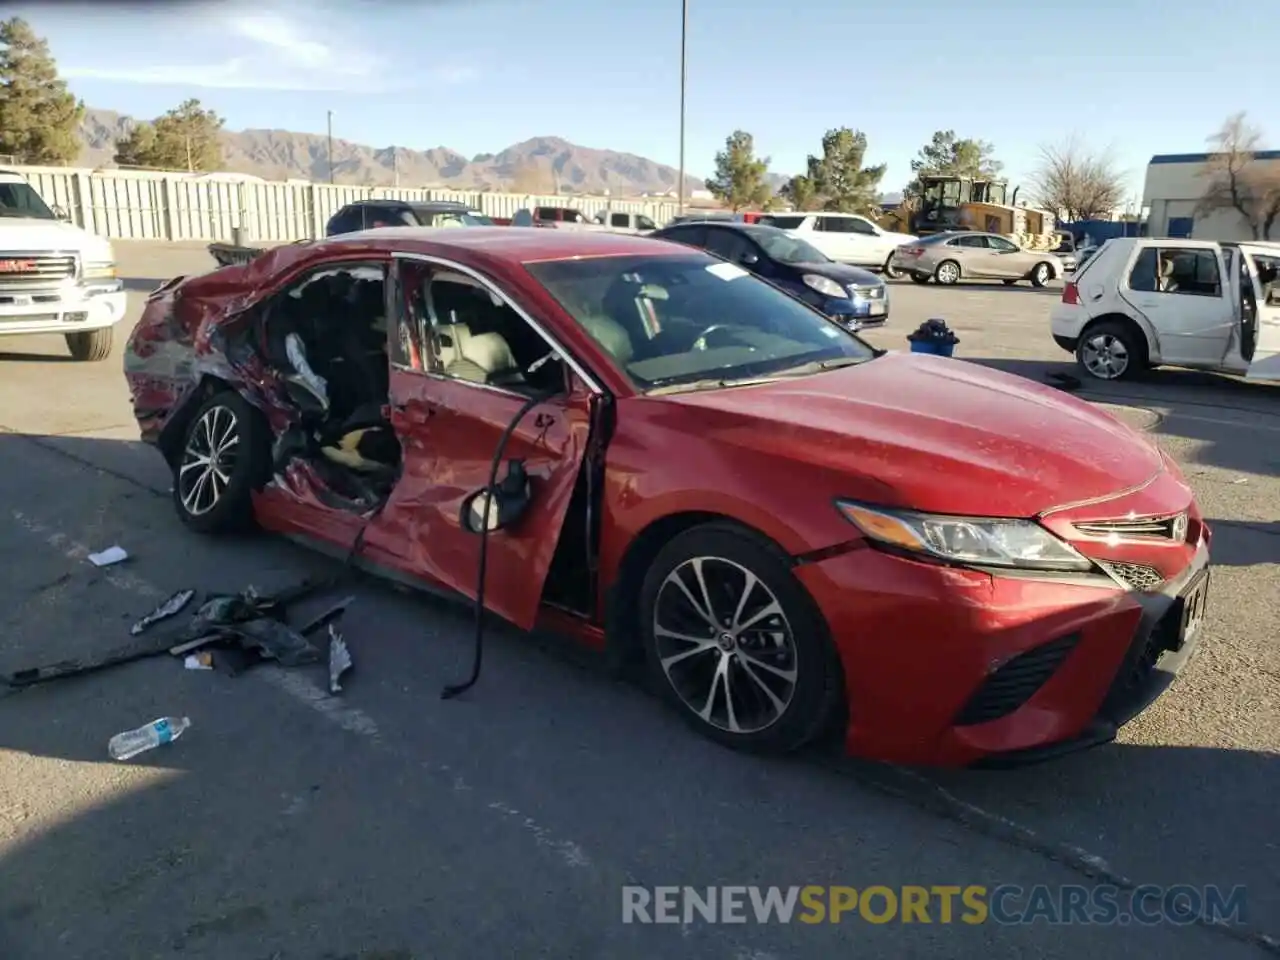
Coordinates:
<point>453,690</point>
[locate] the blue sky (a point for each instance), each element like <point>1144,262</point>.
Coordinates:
<point>1130,75</point>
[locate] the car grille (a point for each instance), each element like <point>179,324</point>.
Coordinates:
<point>1015,682</point>
<point>1136,576</point>
<point>868,293</point>
<point>26,268</point>
<point>1145,528</point>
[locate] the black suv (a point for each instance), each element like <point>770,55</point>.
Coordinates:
<point>367,214</point>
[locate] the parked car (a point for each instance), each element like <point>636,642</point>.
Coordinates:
<point>621,222</point>
<point>55,277</point>
<point>1140,303</point>
<point>740,216</point>
<point>786,526</point>
<point>367,214</point>
<point>845,237</point>
<point>856,297</point>
<point>959,255</point>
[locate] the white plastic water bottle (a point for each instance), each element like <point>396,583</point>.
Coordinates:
<point>129,744</point>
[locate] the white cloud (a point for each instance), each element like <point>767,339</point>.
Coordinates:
<point>279,56</point>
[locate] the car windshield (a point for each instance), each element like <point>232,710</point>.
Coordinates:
<point>787,249</point>
<point>692,321</point>
<point>21,200</point>
<point>451,218</point>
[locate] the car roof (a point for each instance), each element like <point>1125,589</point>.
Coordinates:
<point>392,201</point>
<point>510,244</point>
<point>739,225</point>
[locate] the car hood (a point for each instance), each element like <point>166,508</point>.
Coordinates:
<point>841,273</point>
<point>935,434</point>
<point>30,234</point>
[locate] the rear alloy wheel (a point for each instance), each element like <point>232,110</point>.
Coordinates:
<point>1041,275</point>
<point>90,345</point>
<point>223,453</point>
<point>948,273</point>
<point>1109,352</point>
<point>734,640</point>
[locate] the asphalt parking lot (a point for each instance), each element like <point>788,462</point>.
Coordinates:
<point>389,825</point>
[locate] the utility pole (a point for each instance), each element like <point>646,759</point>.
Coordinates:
<point>684,79</point>
<point>395,166</point>
<point>331,146</point>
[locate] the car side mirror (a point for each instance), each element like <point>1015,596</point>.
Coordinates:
<point>749,259</point>
<point>500,506</point>
<point>61,213</point>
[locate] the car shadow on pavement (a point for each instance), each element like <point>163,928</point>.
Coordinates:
<point>6,357</point>
<point>142,285</point>
<point>1222,414</point>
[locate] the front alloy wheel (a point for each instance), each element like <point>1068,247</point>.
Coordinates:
<point>208,460</point>
<point>225,452</point>
<point>736,643</point>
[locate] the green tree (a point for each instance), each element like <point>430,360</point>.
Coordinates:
<point>839,178</point>
<point>947,155</point>
<point>800,192</point>
<point>39,118</point>
<point>185,138</point>
<point>740,176</point>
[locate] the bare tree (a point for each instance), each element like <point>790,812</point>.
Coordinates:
<point>1238,181</point>
<point>1075,182</point>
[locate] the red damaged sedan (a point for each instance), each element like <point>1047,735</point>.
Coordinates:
<point>681,465</point>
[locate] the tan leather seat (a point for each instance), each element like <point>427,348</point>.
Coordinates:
<point>1166,283</point>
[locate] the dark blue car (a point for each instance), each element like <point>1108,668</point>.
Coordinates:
<point>857,297</point>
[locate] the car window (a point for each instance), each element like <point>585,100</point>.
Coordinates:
<point>459,328</point>
<point>1190,272</point>
<point>620,220</point>
<point>347,220</point>
<point>784,223</point>
<point>1001,244</point>
<point>21,200</point>
<point>644,223</point>
<point>1142,277</point>
<point>787,249</point>
<point>690,235</point>
<point>834,225</point>
<point>729,244</point>
<point>670,321</point>
<point>970,241</point>
<point>858,225</point>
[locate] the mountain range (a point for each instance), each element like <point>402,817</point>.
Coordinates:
<point>540,165</point>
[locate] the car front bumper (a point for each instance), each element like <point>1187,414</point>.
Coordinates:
<point>62,310</point>
<point>947,666</point>
<point>857,314</point>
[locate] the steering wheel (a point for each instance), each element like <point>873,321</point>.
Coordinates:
<point>701,342</point>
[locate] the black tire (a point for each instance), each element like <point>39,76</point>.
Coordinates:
<point>1008,283</point>
<point>91,345</point>
<point>724,552</point>
<point>232,506</point>
<point>890,271</point>
<point>1041,274</point>
<point>947,273</point>
<point>921,278</point>
<point>1105,335</point>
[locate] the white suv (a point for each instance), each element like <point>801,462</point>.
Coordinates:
<point>54,277</point>
<point>1140,303</point>
<point>844,237</point>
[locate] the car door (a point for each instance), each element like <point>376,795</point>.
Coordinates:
<point>1181,292</point>
<point>736,248</point>
<point>1007,260</point>
<point>867,240</point>
<point>464,364</point>
<point>1260,348</point>
<point>972,253</point>
<point>838,241</point>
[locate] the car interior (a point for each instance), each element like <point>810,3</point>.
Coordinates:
<point>327,335</point>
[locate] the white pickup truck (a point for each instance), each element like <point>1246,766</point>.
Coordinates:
<point>844,237</point>
<point>55,277</point>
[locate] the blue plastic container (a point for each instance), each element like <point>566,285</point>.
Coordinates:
<point>932,346</point>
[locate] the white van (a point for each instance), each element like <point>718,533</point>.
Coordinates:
<point>1145,302</point>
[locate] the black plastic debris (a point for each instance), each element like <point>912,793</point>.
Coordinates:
<point>934,332</point>
<point>169,608</point>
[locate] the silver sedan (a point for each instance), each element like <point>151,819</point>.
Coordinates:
<point>970,255</point>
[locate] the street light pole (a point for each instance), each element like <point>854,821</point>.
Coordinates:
<point>331,146</point>
<point>684,79</point>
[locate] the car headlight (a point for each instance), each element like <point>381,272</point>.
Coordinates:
<point>824,286</point>
<point>99,270</point>
<point>1021,544</point>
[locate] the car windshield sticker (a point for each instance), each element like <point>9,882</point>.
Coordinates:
<point>726,271</point>
<point>831,332</point>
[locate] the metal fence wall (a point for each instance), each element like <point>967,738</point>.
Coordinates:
<point>131,205</point>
